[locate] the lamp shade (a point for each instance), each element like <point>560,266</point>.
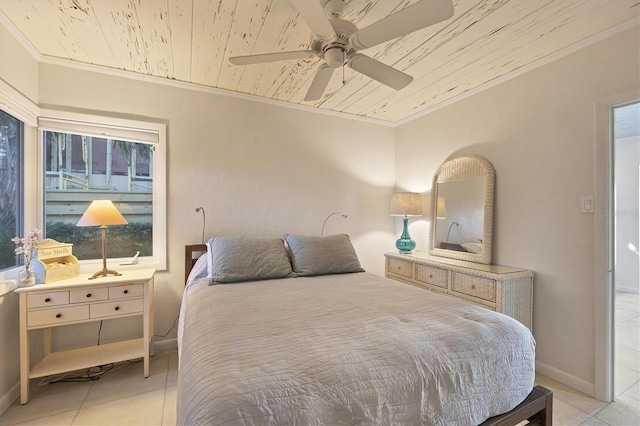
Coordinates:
<point>406,204</point>
<point>441,209</point>
<point>101,213</point>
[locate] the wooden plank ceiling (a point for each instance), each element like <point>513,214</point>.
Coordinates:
<point>191,41</point>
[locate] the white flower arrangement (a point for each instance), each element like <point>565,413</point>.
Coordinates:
<point>26,246</point>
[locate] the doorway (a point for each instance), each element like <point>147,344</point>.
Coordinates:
<point>626,250</point>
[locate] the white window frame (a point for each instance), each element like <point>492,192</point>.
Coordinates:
<point>19,106</point>
<point>129,130</point>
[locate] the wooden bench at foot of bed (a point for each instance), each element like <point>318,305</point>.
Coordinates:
<point>537,409</point>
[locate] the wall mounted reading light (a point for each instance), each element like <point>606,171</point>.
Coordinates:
<point>451,226</point>
<point>406,204</point>
<point>204,220</point>
<point>325,221</point>
<point>102,213</point>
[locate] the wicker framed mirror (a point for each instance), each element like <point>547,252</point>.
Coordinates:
<point>462,194</point>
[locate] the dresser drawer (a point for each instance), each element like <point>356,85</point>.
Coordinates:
<point>482,288</point>
<point>431,275</point>
<point>88,295</point>
<point>55,316</point>
<point>125,291</point>
<point>117,308</point>
<point>400,267</point>
<point>40,300</point>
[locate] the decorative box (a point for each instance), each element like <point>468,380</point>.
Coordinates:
<point>57,261</point>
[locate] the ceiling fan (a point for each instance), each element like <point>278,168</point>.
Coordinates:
<point>337,41</point>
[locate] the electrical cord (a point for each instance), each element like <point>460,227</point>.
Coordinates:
<point>92,373</point>
<point>89,376</point>
<point>175,322</point>
<point>99,332</point>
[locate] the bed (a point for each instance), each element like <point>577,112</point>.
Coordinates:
<point>298,333</point>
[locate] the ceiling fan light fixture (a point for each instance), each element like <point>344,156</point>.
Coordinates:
<point>334,57</point>
<point>334,8</point>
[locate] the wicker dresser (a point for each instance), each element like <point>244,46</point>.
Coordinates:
<point>500,288</point>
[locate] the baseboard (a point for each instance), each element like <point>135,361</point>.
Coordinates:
<point>8,398</point>
<point>627,289</point>
<point>567,379</point>
<point>164,345</point>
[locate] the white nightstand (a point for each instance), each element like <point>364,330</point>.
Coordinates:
<point>80,300</point>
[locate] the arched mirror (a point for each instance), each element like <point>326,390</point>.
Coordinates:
<point>462,209</point>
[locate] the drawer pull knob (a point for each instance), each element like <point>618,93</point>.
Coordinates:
<point>126,292</point>
<point>88,294</point>
<point>59,316</point>
<point>473,286</point>
<point>430,275</point>
<point>117,308</point>
<point>47,300</point>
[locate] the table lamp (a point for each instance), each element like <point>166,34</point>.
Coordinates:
<point>406,204</point>
<point>441,209</point>
<point>102,213</point>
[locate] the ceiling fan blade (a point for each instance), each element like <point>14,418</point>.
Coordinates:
<point>319,83</point>
<point>271,57</point>
<point>379,71</point>
<point>313,14</point>
<point>413,18</point>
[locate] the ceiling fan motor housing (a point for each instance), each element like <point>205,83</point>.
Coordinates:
<point>336,50</point>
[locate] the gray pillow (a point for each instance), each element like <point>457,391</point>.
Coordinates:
<point>234,259</point>
<point>333,254</point>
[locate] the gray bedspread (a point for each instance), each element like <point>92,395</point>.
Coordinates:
<point>345,349</point>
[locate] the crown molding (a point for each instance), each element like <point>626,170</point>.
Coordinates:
<point>603,35</point>
<point>18,105</point>
<point>44,59</point>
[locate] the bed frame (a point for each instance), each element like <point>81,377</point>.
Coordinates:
<point>191,253</point>
<point>537,408</point>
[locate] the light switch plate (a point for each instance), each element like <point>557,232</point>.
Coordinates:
<point>587,205</point>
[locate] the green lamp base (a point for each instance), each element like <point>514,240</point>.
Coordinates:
<point>405,244</point>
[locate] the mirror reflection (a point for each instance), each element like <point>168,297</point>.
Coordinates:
<point>462,209</point>
<point>460,219</point>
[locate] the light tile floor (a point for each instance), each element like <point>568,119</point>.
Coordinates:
<point>123,397</point>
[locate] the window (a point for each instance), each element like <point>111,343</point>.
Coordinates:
<point>11,196</point>
<point>88,158</point>
<point>80,169</point>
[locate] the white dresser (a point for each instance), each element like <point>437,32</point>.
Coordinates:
<point>504,289</point>
<point>80,300</point>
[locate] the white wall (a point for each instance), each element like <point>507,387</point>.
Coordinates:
<point>20,71</point>
<point>260,169</point>
<point>538,132</point>
<point>256,168</point>
<point>9,345</point>
<point>17,67</point>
